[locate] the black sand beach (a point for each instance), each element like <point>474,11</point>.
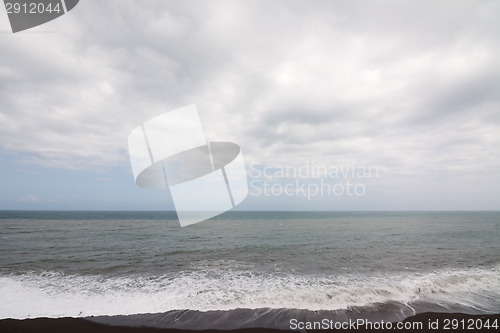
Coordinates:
<point>430,322</point>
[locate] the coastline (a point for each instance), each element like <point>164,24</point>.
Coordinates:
<point>437,320</point>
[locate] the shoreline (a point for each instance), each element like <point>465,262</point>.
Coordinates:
<point>429,322</point>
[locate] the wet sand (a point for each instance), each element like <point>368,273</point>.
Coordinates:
<point>430,322</point>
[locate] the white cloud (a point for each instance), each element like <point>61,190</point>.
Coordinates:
<point>410,87</point>
<point>30,198</point>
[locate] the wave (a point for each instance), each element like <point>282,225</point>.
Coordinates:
<point>53,294</point>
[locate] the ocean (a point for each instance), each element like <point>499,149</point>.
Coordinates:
<point>247,269</point>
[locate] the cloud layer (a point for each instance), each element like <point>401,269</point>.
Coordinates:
<point>410,87</point>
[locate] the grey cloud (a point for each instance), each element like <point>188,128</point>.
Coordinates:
<point>461,97</point>
<point>287,80</point>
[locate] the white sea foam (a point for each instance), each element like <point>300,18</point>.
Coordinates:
<point>52,294</point>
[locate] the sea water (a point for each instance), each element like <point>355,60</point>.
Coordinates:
<point>247,269</point>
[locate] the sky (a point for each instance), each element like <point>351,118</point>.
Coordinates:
<point>336,105</point>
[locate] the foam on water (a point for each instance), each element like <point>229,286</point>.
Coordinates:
<point>53,294</point>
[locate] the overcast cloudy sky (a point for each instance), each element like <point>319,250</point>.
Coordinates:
<point>409,87</point>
